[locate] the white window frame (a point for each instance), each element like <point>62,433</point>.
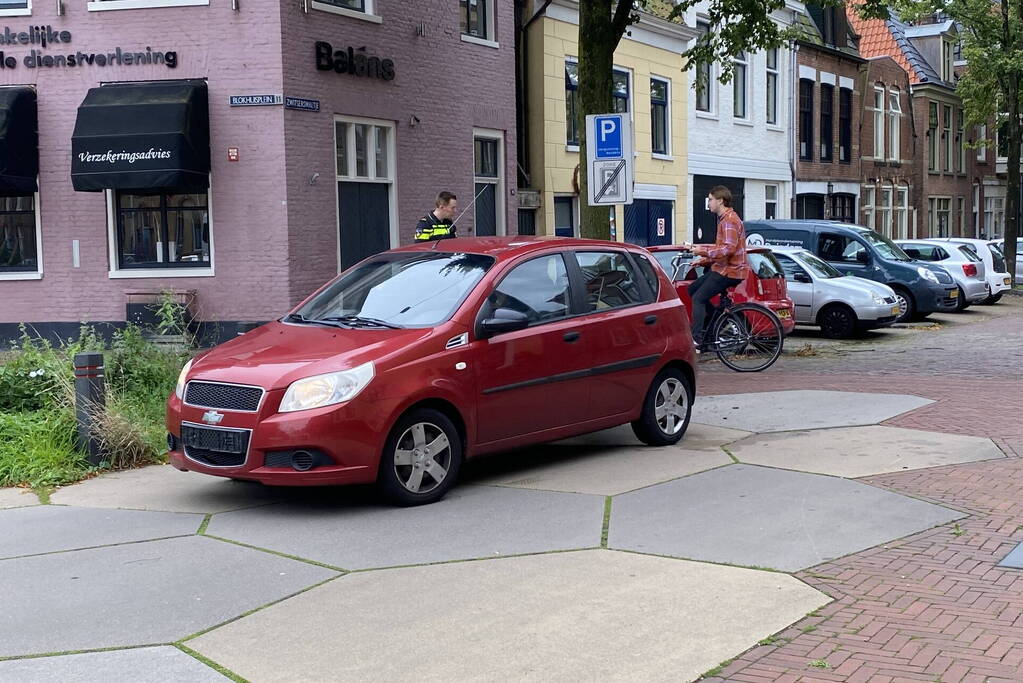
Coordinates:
<point>994,216</point>
<point>976,210</point>
<point>36,274</point>
<point>499,190</point>
<point>391,179</point>
<point>491,38</point>
<point>947,125</point>
<point>742,61</point>
<point>961,215</point>
<point>884,210</point>
<point>959,130</point>
<point>712,83</point>
<point>894,123</point>
<point>366,15</point>
<point>900,213</point>
<point>982,140</point>
<point>771,200</point>
<point>667,154</point>
<point>879,98</point>
<point>768,73</point>
<point>867,205</point>
<point>107,5</point>
<point>933,149</point>
<point>115,273</point>
<point>947,52</point>
<point>933,204</point>
<point>18,11</point>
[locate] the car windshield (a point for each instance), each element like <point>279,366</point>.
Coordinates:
<point>820,268</point>
<point>885,247</point>
<point>405,289</point>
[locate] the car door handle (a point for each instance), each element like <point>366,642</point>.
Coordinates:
<point>571,337</point>
<point>650,320</point>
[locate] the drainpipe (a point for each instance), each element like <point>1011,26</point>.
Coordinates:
<point>792,119</point>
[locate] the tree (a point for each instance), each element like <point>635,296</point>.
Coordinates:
<point>738,25</point>
<point>991,85</point>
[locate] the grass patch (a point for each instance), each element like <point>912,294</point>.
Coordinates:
<point>806,350</point>
<point>820,664</point>
<point>808,629</point>
<point>716,671</point>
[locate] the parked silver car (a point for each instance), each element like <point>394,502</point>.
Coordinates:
<point>998,279</point>
<point>1019,257</point>
<point>960,260</point>
<point>841,305</point>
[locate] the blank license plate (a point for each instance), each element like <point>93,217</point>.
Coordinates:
<point>896,310</point>
<point>953,294</point>
<point>220,440</point>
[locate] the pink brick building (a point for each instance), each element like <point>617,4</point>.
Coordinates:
<point>371,108</point>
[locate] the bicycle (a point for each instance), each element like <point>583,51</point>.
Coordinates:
<point>746,337</point>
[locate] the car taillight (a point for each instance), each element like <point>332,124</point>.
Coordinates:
<point>970,269</point>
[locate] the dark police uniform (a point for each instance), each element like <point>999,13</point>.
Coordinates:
<point>432,228</point>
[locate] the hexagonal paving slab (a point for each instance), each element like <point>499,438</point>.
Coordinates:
<point>161,487</point>
<point>14,498</point>
<point>862,451</point>
<point>589,615</point>
<point>51,528</point>
<point>166,664</point>
<point>139,593</point>
<point>604,463</point>
<point>763,517</point>
<point>782,411</point>
<point>470,522</point>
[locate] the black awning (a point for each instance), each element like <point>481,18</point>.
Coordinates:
<point>19,141</point>
<point>137,136</point>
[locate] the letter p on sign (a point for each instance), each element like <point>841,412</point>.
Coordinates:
<point>608,133</point>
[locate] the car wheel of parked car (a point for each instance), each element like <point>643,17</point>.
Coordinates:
<point>666,409</point>
<point>837,321</point>
<point>961,302</point>
<point>994,299</point>
<point>421,458</point>
<point>905,300</point>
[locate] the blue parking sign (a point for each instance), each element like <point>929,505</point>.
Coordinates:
<point>608,137</point>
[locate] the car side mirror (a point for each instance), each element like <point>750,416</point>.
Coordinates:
<point>861,257</point>
<point>504,320</point>
<point>802,277</point>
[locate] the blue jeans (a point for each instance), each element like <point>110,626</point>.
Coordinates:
<point>701,291</point>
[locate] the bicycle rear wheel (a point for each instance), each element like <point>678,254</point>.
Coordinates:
<point>748,338</point>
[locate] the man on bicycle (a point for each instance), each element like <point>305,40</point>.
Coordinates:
<point>726,258</point>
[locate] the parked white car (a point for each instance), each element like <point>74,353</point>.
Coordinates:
<point>1019,256</point>
<point>841,305</point>
<point>998,279</point>
<point>960,260</point>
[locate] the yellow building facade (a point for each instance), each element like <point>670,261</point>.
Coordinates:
<point>650,86</point>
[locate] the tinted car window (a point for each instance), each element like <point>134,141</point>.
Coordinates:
<point>610,280</point>
<point>840,248</point>
<point>649,273</point>
<point>537,288</point>
<point>412,289</point>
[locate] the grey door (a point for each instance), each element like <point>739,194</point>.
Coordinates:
<point>364,220</point>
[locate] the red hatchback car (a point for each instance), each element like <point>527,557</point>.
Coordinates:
<point>764,285</point>
<point>419,357</point>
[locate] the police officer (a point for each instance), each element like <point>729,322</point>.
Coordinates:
<point>437,225</point>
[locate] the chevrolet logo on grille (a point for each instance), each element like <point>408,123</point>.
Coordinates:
<point>212,417</point>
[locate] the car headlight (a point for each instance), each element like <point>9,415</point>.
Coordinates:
<point>878,299</point>
<point>324,390</point>
<point>926,274</point>
<point>179,388</point>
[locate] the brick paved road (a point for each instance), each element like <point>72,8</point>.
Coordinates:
<point>933,606</point>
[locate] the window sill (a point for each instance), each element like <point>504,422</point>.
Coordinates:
<point>743,122</point>
<point>707,115</point>
<point>24,12</point>
<point>143,273</point>
<point>662,157</point>
<point>774,127</point>
<point>344,12</point>
<point>106,5</point>
<point>572,148</point>
<point>480,41</point>
<point>21,276</point>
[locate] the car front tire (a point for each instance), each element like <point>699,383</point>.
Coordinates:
<point>905,301</point>
<point>421,458</point>
<point>667,408</point>
<point>838,322</point>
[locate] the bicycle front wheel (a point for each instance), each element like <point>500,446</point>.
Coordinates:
<point>748,338</point>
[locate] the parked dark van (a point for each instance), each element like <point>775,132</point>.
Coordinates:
<point>921,287</point>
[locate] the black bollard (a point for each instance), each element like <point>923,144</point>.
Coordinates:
<point>90,396</point>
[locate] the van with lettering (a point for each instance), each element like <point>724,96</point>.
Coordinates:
<point>921,288</point>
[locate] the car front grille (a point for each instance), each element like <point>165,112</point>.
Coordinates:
<point>889,299</point>
<point>215,458</point>
<point>223,396</point>
<point>215,447</point>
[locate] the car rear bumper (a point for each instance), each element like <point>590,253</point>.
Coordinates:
<point>999,282</point>
<point>975,290</point>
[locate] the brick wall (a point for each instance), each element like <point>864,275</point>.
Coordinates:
<point>816,170</point>
<point>949,184</point>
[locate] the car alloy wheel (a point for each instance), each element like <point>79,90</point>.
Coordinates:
<point>666,409</point>
<point>905,306</point>
<point>671,406</point>
<point>422,458</point>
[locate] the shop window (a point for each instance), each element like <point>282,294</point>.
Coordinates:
<point>659,116</point>
<point>162,230</point>
<point>477,18</point>
<point>572,103</point>
<point>19,237</point>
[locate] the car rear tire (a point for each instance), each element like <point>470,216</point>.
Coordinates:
<point>994,299</point>
<point>667,408</point>
<point>837,321</point>
<point>421,458</point>
<point>961,302</point>
<point>906,303</point>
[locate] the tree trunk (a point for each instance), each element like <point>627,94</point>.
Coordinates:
<point>1012,200</point>
<point>600,30</point>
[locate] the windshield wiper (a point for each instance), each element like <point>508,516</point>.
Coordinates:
<point>360,320</point>
<point>296,318</point>
<point>299,318</point>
